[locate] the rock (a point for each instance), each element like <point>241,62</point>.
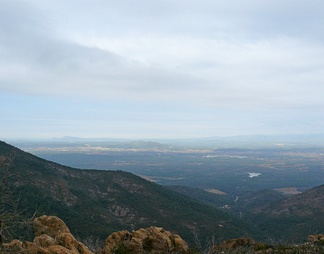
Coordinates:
<point>116,238</point>
<point>232,244</point>
<point>44,241</point>
<point>52,236</point>
<point>49,225</point>
<point>314,238</point>
<point>14,246</point>
<point>238,242</point>
<point>23,247</point>
<point>150,240</point>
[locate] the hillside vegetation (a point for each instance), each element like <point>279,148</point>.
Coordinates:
<point>290,218</point>
<point>277,217</point>
<point>96,203</point>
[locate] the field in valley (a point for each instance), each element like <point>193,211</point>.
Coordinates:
<point>230,170</point>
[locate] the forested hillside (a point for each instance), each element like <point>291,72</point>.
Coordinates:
<point>96,203</point>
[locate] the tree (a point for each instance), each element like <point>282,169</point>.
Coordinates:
<point>10,217</point>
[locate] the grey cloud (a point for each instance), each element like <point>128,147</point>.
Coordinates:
<point>50,65</point>
<point>241,72</point>
<point>251,19</point>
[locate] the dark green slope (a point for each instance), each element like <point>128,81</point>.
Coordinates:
<point>291,218</point>
<point>96,203</point>
<point>277,217</point>
<point>254,200</point>
<point>206,197</point>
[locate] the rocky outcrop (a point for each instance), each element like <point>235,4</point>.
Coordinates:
<point>52,236</point>
<point>315,239</point>
<point>150,240</point>
<point>233,244</point>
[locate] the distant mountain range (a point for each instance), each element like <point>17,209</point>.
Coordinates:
<point>252,141</point>
<point>257,141</point>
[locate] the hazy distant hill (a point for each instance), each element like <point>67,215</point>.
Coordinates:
<point>96,203</point>
<point>307,204</point>
<point>278,217</point>
<point>252,141</point>
<point>248,141</point>
<point>290,218</point>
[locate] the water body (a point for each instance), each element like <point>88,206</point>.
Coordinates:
<point>251,175</point>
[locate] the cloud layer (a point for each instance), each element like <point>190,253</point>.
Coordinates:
<point>189,62</point>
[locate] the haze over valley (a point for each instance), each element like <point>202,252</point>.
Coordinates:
<point>233,166</point>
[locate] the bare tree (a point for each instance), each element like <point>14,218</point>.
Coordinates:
<point>10,216</point>
<point>7,208</point>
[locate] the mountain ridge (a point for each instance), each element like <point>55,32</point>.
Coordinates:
<point>106,201</point>
<point>290,217</point>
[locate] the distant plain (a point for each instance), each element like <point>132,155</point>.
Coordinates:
<point>222,165</point>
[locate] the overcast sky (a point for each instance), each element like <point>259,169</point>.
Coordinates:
<point>161,68</point>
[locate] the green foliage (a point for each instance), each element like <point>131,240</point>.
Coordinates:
<point>320,243</point>
<point>261,246</point>
<point>96,202</point>
<point>122,249</point>
<point>12,218</point>
<point>194,251</point>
